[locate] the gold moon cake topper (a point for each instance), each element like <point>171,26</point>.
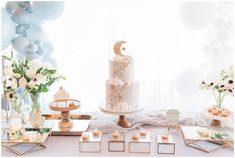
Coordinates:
<point>117,47</point>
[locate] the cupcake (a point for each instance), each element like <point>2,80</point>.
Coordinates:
<point>224,113</point>
<point>215,112</point>
<point>85,137</point>
<point>165,136</point>
<point>96,132</point>
<point>209,109</point>
<point>116,134</point>
<point>143,133</point>
<point>135,137</point>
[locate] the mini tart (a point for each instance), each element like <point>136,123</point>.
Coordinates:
<point>143,133</point>
<point>224,113</point>
<point>96,132</point>
<point>165,137</point>
<point>116,134</point>
<point>135,137</point>
<point>210,109</point>
<point>220,110</point>
<point>215,112</point>
<point>85,137</point>
<point>72,104</point>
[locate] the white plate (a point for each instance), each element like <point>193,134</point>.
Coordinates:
<point>105,110</point>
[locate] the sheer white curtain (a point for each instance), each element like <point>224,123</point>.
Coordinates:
<point>169,59</point>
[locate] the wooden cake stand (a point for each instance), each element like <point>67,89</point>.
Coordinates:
<point>65,106</point>
<point>122,122</point>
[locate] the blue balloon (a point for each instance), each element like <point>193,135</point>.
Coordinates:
<point>48,10</point>
<point>48,48</point>
<point>20,16</point>
<point>35,21</point>
<point>20,44</point>
<point>32,48</point>
<point>31,56</point>
<point>21,29</point>
<point>26,5</point>
<point>8,29</point>
<point>39,43</point>
<point>41,51</point>
<point>12,5</point>
<point>35,33</point>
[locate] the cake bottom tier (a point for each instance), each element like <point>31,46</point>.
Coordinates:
<point>122,97</point>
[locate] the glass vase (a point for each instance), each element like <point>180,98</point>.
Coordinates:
<point>35,102</point>
<point>36,118</point>
<point>17,106</point>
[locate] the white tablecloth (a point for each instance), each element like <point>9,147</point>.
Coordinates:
<point>68,146</point>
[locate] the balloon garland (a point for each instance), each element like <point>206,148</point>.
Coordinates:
<point>22,27</point>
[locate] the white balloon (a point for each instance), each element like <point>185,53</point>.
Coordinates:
<point>20,44</point>
<point>20,16</point>
<point>12,5</point>
<point>196,14</point>
<point>7,29</point>
<point>187,82</point>
<point>48,10</point>
<point>35,33</point>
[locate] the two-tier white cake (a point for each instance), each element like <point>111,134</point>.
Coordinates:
<point>122,91</point>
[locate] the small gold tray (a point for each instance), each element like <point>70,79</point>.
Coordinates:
<point>80,124</point>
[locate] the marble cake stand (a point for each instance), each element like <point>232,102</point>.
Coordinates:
<point>122,122</point>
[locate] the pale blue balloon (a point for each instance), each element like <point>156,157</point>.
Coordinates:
<point>20,16</point>
<point>50,60</point>
<point>32,47</point>
<point>7,29</point>
<point>26,5</point>
<point>20,44</point>
<point>39,43</point>
<point>31,56</point>
<point>35,21</point>
<point>12,5</point>
<point>41,51</point>
<point>48,10</point>
<point>48,48</point>
<point>21,29</point>
<point>20,56</point>
<point>35,33</point>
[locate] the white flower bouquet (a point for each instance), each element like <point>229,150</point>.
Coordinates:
<point>33,77</point>
<point>222,87</point>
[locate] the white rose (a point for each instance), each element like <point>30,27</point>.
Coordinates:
<point>13,83</point>
<point>7,71</point>
<point>22,82</point>
<point>30,73</point>
<point>16,75</point>
<point>35,64</point>
<point>31,84</point>
<point>41,78</point>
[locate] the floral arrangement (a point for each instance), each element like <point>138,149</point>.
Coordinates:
<point>28,76</point>
<point>221,87</point>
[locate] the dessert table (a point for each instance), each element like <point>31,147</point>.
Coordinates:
<point>69,146</point>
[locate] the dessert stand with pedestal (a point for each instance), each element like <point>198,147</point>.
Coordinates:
<point>122,122</point>
<point>216,120</point>
<point>65,124</point>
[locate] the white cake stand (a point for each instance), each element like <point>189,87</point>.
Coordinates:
<point>122,122</point>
